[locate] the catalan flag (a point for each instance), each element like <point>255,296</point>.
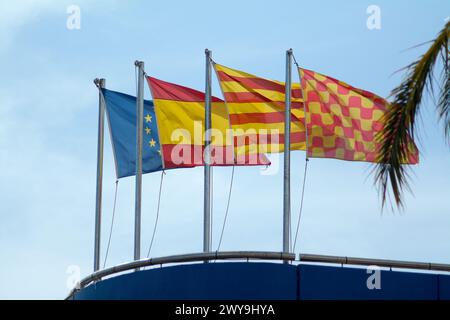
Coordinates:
<point>256,108</point>
<point>180,114</point>
<point>343,121</point>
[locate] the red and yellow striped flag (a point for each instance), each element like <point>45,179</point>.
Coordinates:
<point>343,121</point>
<point>180,114</point>
<point>256,108</point>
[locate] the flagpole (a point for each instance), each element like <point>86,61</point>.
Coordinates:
<point>139,138</point>
<point>207,158</point>
<point>100,83</point>
<point>287,157</point>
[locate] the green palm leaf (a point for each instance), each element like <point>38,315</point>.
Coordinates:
<point>391,171</point>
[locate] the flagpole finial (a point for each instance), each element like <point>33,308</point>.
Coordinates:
<point>99,82</point>
<point>138,63</point>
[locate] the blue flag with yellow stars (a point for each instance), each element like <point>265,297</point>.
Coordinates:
<point>121,114</point>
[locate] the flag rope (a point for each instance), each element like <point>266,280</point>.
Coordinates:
<point>227,210</point>
<point>157,213</point>
<point>112,224</point>
<point>212,207</point>
<point>295,60</point>
<point>301,203</point>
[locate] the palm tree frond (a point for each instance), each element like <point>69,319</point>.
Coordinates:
<point>399,122</point>
<point>444,99</point>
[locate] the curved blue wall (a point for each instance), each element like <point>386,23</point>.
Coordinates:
<point>265,281</point>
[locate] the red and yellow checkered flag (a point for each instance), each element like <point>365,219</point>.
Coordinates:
<point>343,121</point>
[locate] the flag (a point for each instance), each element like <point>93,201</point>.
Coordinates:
<point>180,112</point>
<point>343,121</point>
<point>256,108</point>
<point>121,115</point>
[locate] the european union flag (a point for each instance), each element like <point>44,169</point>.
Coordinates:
<point>121,113</point>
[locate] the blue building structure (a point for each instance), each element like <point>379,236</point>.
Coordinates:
<point>250,280</point>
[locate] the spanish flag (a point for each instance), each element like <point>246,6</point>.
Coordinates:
<point>343,121</point>
<point>256,108</point>
<point>180,114</point>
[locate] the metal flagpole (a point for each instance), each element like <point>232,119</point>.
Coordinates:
<point>306,153</point>
<point>100,83</point>
<point>207,158</point>
<point>287,157</point>
<point>139,138</point>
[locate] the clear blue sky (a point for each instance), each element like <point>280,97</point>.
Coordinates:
<point>48,132</point>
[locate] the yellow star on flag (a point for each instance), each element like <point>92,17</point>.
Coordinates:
<point>148,130</point>
<point>148,118</point>
<point>152,143</point>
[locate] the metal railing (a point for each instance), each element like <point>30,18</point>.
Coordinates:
<point>184,258</point>
<point>375,262</point>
